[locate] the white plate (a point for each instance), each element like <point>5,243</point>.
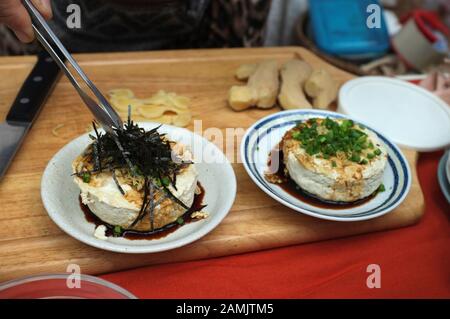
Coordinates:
<point>60,194</point>
<point>406,113</point>
<point>265,134</point>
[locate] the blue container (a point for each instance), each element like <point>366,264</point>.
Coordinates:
<point>339,27</point>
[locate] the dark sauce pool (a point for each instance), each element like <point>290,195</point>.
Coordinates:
<point>197,205</point>
<point>290,187</point>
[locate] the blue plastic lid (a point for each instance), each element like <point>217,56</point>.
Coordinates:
<point>340,27</point>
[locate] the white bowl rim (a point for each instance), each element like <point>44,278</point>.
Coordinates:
<point>42,277</point>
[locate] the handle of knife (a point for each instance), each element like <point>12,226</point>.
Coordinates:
<point>34,90</point>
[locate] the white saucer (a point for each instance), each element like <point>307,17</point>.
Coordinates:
<point>60,194</point>
<point>406,113</point>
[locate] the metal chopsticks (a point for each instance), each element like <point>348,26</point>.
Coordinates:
<point>103,112</point>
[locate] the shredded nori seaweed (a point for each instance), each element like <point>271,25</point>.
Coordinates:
<point>147,154</point>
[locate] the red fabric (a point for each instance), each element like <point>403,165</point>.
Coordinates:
<point>414,261</point>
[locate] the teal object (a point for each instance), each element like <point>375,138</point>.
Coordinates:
<point>352,29</point>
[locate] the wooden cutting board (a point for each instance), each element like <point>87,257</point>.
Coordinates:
<point>31,243</point>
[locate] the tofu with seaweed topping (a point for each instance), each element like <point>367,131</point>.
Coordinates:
<point>334,160</point>
<point>136,180</point>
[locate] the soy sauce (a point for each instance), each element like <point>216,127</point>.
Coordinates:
<point>159,233</point>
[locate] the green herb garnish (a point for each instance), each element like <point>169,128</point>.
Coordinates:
<point>381,188</point>
<point>325,138</point>
<point>165,181</point>
<point>86,177</point>
<point>117,231</point>
<point>355,158</point>
<point>180,220</point>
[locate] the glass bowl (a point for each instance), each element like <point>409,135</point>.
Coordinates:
<point>55,286</point>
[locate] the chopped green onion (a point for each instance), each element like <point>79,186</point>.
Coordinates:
<point>180,220</point>
<point>325,138</point>
<point>355,158</point>
<point>377,152</point>
<point>346,124</point>
<point>362,139</point>
<point>117,230</point>
<point>157,182</point>
<point>296,135</point>
<point>86,177</point>
<point>165,181</point>
<point>381,188</point>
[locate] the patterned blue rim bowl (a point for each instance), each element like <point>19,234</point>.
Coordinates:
<point>265,134</point>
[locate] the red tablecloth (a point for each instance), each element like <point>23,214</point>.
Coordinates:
<point>414,261</point>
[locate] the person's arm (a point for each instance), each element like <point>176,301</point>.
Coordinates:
<point>15,16</point>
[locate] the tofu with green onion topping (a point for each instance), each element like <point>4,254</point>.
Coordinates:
<point>335,160</point>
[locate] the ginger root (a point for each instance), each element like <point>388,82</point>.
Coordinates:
<point>294,73</point>
<point>261,89</point>
<point>242,97</point>
<point>245,71</point>
<point>322,88</point>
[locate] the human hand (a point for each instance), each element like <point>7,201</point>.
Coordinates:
<point>14,15</point>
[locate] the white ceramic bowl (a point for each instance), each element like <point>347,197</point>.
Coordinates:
<point>404,112</point>
<point>262,137</point>
<point>60,194</point>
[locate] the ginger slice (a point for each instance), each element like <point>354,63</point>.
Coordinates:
<point>261,89</point>
<point>294,73</point>
<point>163,107</point>
<point>245,71</point>
<point>322,88</point>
